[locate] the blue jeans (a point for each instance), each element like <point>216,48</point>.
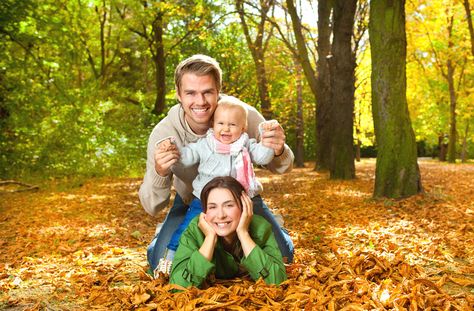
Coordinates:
<point>195,208</point>
<point>175,217</point>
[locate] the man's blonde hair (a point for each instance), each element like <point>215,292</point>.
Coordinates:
<point>231,102</point>
<point>200,65</point>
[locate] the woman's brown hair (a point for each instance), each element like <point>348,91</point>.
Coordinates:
<point>223,182</point>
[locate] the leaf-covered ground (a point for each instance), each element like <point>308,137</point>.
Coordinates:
<point>84,248</point>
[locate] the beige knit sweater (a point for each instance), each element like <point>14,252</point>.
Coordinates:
<point>155,190</point>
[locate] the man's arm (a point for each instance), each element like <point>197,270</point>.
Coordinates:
<point>283,160</point>
<point>154,192</point>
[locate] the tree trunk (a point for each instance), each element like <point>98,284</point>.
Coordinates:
<point>342,68</point>
<point>469,23</point>
<point>299,152</point>
<point>397,173</point>
<point>324,126</point>
<point>443,148</point>
<point>257,50</point>
<point>452,114</point>
<point>464,144</point>
<point>262,83</point>
<point>160,65</point>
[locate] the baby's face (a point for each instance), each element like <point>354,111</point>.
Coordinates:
<point>229,124</point>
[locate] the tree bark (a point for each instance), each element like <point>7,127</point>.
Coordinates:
<point>159,60</point>
<point>324,125</point>
<point>342,67</point>
<point>452,114</point>
<point>443,148</point>
<point>452,96</point>
<point>299,152</point>
<point>257,49</point>
<point>397,173</point>
<point>464,144</point>
<point>469,23</point>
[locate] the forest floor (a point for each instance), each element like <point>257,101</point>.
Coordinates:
<point>84,247</point>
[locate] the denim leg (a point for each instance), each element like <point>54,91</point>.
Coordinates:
<point>281,234</point>
<point>156,248</point>
<point>195,208</point>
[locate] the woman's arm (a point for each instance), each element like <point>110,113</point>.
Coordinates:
<point>192,263</point>
<point>265,260</point>
<point>262,257</point>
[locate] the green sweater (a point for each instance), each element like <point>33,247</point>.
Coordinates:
<point>191,268</point>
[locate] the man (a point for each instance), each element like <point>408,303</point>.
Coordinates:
<point>198,82</point>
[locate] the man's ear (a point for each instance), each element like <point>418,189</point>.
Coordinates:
<point>178,98</point>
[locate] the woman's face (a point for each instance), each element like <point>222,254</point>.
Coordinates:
<point>223,212</point>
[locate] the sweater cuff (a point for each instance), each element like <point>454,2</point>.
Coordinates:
<point>285,154</point>
<point>160,181</point>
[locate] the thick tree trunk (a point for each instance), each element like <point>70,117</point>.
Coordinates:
<point>324,126</point>
<point>397,173</point>
<point>160,65</point>
<point>299,152</point>
<point>342,68</point>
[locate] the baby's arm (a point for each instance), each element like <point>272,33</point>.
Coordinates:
<point>260,154</point>
<point>190,153</point>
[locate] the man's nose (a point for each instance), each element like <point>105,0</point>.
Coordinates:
<point>201,99</point>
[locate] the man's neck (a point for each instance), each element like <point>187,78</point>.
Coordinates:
<point>196,128</point>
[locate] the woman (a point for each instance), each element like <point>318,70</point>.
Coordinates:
<point>227,240</point>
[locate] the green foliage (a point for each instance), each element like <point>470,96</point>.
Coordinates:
<point>78,79</point>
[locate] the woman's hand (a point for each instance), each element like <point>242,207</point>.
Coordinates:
<point>210,240</point>
<point>247,214</point>
<point>243,228</point>
<point>205,226</point>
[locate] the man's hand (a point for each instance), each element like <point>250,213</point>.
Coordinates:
<point>166,154</point>
<point>273,137</point>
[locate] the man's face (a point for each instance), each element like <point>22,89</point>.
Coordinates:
<point>198,96</point>
<point>229,124</point>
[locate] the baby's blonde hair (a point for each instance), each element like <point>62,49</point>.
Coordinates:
<point>231,102</point>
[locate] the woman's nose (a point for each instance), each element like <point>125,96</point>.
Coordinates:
<point>221,213</point>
